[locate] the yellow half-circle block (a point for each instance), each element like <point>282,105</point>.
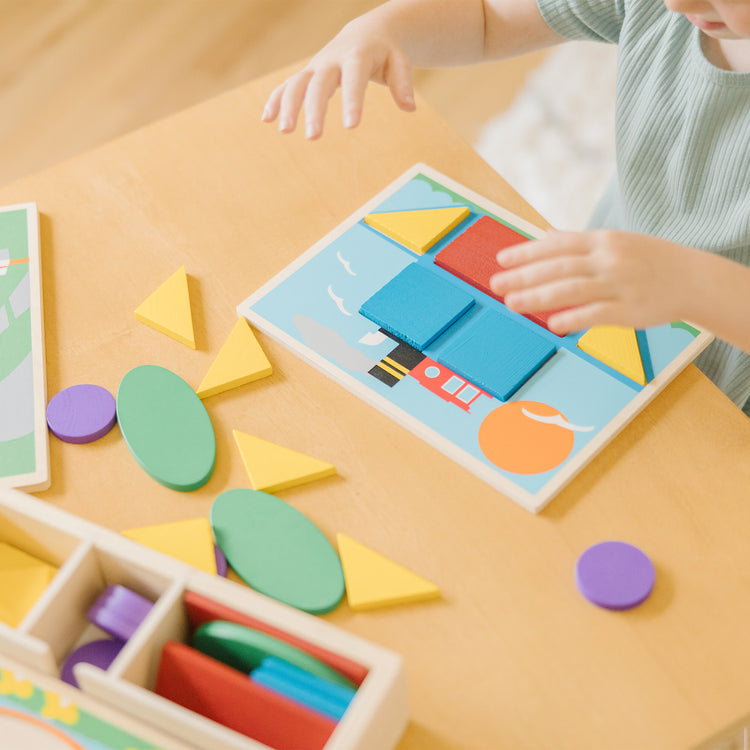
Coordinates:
<point>420,229</point>
<point>272,468</point>
<point>616,347</point>
<point>189,541</point>
<point>375,581</point>
<point>241,360</point>
<point>168,309</point>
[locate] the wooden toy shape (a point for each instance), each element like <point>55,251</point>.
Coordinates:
<point>201,609</point>
<point>277,550</point>
<point>23,579</point>
<point>617,348</point>
<point>418,230</point>
<point>272,468</point>
<point>315,692</point>
<point>615,575</point>
<point>119,611</point>
<point>241,360</point>
<point>81,413</point>
<point>244,649</point>
<point>168,309</point>
<point>190,541</point>
<point>166,427</point>
<point>24,437</point>
<point>101,653</point>
<point>472,257</point>
<point>417,306</point>
<point>497,354</point>
<point>375,581</point>
<point>212,689</point>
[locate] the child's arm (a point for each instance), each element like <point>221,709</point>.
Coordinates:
<point>621,278</point>
<point>384,44</point>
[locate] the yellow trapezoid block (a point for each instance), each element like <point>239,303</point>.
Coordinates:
<point>420,229</point>
<point>272,468</point>
<point>239,361</point>
<point>168,309</point>
<point>375,581</point>
<point>189,541</point>
<point>616,347</point>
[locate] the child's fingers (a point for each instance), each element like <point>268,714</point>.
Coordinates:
<point>551,245</point>
<point>355,76</point>
<point>583,317</point>
<point>556,295</point>
<point>400,81</point>
<point>271,110</point>
<point>540,272</point>
<point>320,89</point>
<point>291,100</point>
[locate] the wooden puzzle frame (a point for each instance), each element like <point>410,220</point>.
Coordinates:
<point>24,451</point>
<point>269,309</point>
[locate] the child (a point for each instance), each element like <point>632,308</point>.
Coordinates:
<point>672,237</point>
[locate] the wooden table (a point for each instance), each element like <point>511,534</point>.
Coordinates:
<point>512,657</point>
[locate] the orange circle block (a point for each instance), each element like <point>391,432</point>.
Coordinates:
<point>518,437</point>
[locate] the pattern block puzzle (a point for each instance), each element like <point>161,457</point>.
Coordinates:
<point>466,374</point>
<point>471,256</point>
<point>418,230</point>
<point>417,306</point>
<point>498,354</point>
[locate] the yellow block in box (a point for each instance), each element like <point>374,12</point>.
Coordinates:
<point>189,541</point>
<point>23,579</point>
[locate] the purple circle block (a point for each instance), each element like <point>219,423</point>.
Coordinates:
<point>99,653</point>
<point>221,562</point>
<point>615,575</point>
<point>119,611</point>
<point>81,413</point>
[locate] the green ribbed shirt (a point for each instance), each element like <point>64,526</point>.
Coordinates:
<point>682,143</point>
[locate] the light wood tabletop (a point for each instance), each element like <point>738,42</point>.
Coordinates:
<point>512,657</point>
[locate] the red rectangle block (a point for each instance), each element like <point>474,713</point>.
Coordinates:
<point>224,695</point>
<point>471,257</point>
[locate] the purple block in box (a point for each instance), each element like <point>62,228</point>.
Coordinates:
<point>119,611</point>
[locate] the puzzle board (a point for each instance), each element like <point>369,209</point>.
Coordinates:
<point>24,442</point>
<point>518,406</point>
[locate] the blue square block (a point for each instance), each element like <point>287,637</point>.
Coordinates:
<point>417,305</point>
<point>497,354</point>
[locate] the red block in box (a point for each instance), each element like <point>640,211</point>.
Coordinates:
<point>225,695</point>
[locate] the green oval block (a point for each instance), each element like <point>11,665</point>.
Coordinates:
<point>244,648</point>
<point>166,427</point>
<point>277,550</point>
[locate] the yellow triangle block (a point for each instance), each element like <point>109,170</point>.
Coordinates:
<point>190,541</point>
<point>418,230</point>
<point>375,581</point>
<point>241,360</point>
<point>168,309</point>
<point>617,347</point>
<point>272,468</point>
<point>23,579</point>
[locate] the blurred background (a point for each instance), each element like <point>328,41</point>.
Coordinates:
<point>77,73</point>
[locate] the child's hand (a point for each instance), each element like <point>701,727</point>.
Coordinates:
<point>597,278</point>
<point>361,52</point>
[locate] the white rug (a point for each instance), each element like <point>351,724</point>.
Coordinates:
<point>555,143</point>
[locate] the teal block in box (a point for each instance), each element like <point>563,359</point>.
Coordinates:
<point>417,306</point>
<point>497,354</point>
